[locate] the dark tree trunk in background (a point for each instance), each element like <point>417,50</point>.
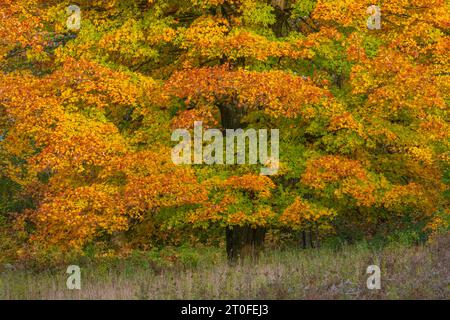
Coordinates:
<point>303,239</point>
<point>311,233</point>
<point>309,238</point>
<point>243,242</point>
<point>316,229</point>
<point>231,116</point>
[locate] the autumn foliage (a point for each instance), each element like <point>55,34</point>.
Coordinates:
<point>86,118</point>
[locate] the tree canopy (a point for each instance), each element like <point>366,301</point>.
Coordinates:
<point>86,117</point>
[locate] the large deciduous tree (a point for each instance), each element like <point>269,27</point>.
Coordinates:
<point>86,116</point>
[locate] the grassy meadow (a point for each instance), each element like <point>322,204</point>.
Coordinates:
<point>417,272</point>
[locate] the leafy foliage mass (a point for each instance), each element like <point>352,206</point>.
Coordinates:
<point>86,118</point>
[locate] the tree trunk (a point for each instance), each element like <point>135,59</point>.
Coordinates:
<point>241,241</point>
<point>230,116</point>
<point>244,241</point>
<point>302,236</point>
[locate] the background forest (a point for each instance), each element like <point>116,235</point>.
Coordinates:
<point>86,118</point>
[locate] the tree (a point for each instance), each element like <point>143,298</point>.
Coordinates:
<point>86,116</point>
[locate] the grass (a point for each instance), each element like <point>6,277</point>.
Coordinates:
<point>420,272</point>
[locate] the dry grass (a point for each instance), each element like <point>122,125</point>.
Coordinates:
<point>407,273</point>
